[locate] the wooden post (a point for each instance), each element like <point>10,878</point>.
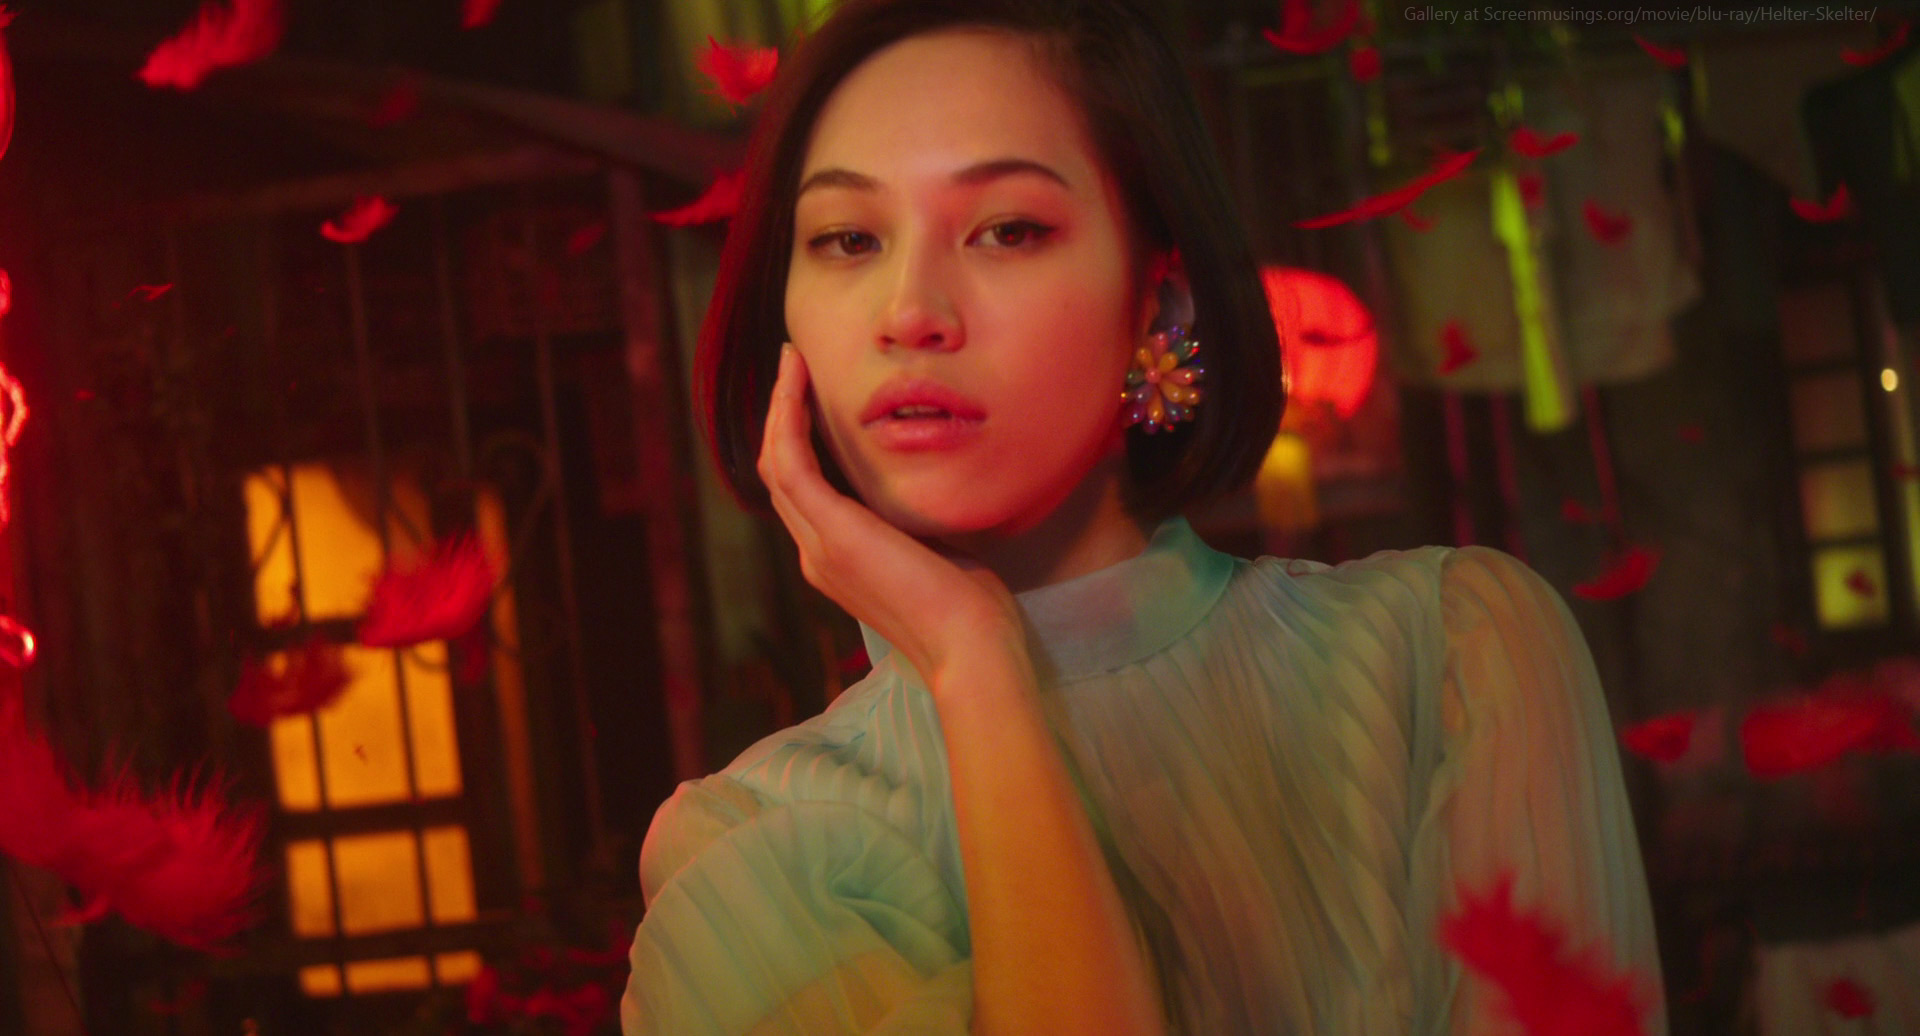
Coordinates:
<point>660,437</point>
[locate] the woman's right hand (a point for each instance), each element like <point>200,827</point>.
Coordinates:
<point>933,607</point>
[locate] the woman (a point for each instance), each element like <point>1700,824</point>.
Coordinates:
<point>1102,778</point>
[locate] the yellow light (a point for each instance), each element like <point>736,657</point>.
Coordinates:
<point>1283,489</point>
<point>1889,379</point>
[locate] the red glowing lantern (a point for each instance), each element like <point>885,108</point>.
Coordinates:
<point>1328,345</point>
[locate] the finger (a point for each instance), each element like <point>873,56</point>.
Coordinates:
<point>777,466</point>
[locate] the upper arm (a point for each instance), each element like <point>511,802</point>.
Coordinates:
<point>1529,780</point>
<point>806,917</point>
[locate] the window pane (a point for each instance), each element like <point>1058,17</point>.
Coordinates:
<point>1837,500</point>
<point>1827,412</point>
<point>379,882</point>
<point>294,768</point>
<point>360,734</point>
<point>449,874</point>
<point>271,547</point>
<point>1816,325</point>
<point>321,980</point>
<point>457,968</point>
<point>1849,586</point>
<point>436,748</point>
<point>309,893</point>
<point>385,976</point>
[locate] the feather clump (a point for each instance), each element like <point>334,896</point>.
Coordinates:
<point>1549,991</point>
<point>439,598</point>
<point>737,71</point>
<point>219,37</point>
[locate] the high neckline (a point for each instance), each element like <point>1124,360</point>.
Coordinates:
<point>1120,614</point>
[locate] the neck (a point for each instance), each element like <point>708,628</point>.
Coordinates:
<point>1089,530</point>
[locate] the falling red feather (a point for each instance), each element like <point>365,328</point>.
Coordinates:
<point>1608,228</point>
<point>149,292</point>
<point>1550,991</point>
<point>1694,434</point>
<point>1533,190</point>
<point>1848,999</point>
<point>1627,573</point>
<point>476,13</point>
<point>1837,207</point>
<point>720,201</point>
<point>400,103</point>
<point>1400,197</point>
<point>311,677</point>
<point>1789,639</point>
<point>219,37</point>
<point>737,71</point>
<point>1661,739</point>
<point>1809,731</point>
<point>439,598</point>
<point>1297,34</point>
<point>1861,583</point>
<point>1671,57</point>
<point>367,214</point>
<point>181,865</point>
<point>1525,142</point>
<point>583,239</point>
<point>1363,63</point>
<point>1574,512</point>
<point>1864,58</point>
<point>1458,351</point>
<point>1419,223</point>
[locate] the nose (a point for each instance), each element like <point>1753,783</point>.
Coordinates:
<point>919,311</point>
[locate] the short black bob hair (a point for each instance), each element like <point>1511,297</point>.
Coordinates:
<point>1112,58</point>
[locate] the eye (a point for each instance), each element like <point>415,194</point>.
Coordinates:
<point>1016,233</point>
<point>842,244</point>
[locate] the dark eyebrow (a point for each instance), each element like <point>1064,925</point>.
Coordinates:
<point>972,176</point>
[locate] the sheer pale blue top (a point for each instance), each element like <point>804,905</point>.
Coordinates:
<point>1292,767</point>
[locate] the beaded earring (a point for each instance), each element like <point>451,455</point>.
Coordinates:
<point>1161,389</point>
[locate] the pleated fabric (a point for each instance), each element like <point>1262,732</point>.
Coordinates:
<point>1292,768</point>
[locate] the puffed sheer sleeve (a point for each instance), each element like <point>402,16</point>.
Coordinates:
<point>1526,780</point>
<point>810,916</point>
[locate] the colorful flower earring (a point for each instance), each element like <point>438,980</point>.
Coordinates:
<point>1160,388</point>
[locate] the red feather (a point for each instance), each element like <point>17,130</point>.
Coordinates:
<point>149,292</point>
<point>1864,58</point>
<point>1525,142</point>
<point>438,599</point>
<point>1577,513</point>
<point>720,201</point>
<point>583,239</point>
<point>1419,223</point>
<point>1297,34</point>
<point>1849,999</point>
<point>1662,739</point>
<point>181,865</point>
<point>1672,58</point>
<point>1810,731</point>
<point>400,103</point>
<point>737,71</point>
<point>1899,470</point>
<point>1628,572</point>
<point>1789,639</point>
<point>1363,63</point>
<point>1399,198</point>
<point>311,677</point>
<point>367,214</point>
<point>1608,228</point>
<point>218,37</point>
<point>1833,210</point>
<point>1693,433</point>
<point>1533,190</point>
<point>1550,991</point>
<point>1861,583</point>
<point>1458,351</point>
<point>475,13</point>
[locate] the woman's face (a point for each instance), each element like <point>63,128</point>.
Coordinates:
<point>955,228</point>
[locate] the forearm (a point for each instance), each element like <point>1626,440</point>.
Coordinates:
<point>1053,948</point>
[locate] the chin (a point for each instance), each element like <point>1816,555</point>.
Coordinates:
<point>939,516</point>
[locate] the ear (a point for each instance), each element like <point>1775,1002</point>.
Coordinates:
<point>1169,300</point>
